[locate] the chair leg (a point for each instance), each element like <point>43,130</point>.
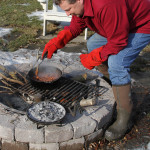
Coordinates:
<point>86,30</point>
<point>44,27</point>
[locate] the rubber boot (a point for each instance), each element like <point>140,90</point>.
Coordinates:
<point>103,68</point>
<point>124,108</point>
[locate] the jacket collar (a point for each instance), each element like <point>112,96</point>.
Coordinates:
<point>88,11</point>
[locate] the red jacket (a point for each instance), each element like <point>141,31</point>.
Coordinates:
<point>113,19</point>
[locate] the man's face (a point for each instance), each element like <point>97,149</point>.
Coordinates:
<point>76,9</point>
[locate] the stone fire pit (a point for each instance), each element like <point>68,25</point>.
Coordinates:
<point>19,133</point>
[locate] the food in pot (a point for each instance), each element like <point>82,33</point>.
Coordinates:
<point>45,74</point>
<point>44,78</point>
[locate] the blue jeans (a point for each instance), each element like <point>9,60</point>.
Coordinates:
<point>119,64</point>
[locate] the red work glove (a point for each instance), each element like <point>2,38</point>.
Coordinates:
<point>58,42</point>
<point>92,59</point>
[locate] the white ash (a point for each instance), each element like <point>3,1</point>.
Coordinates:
<point>46,112</point>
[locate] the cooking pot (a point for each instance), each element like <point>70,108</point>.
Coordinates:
<point>45,71</point>
<point>46,113</point>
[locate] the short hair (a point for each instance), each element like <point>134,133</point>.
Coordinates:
<point>58,2</point>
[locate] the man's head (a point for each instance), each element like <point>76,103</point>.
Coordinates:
<point>72,7</point>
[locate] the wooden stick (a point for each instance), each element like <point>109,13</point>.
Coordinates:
<point>8,92</point>
<point>8,85</point>
<point>13,74</point>
<point>5,87</point>
<point>25,80</point>
<point>11,80</point>
<point>5,82</point>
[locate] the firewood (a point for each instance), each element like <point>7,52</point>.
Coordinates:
<point>8,88</point>
<point>14,75</point>
<point>11,80</point>
<point>8,92</point>
<point>6,83</point>
<point>24,78</point>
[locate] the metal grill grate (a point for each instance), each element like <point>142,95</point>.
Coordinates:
<point>64,92</point>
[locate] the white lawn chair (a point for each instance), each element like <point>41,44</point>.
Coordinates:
<point>56,14</point>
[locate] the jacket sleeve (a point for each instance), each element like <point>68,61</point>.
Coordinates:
<point>77,26</point>
<point>115,23</point>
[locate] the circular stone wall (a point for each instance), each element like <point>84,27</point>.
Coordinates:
<point>17,131</point>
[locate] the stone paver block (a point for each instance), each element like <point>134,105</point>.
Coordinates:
<point>95,136</point>
<point>11,145</point>
<point>44,146</point>
<point>7,127</point>
<point>75,144</point>
<point>26,131</point>
<point>54,133</point>
<point>82,125</point>
<point>102,115</point>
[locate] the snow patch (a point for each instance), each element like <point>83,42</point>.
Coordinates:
<point>4,31</point>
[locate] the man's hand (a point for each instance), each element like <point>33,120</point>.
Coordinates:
<point>50,47</point>
<point>58,42</point>
<point>92,59</point>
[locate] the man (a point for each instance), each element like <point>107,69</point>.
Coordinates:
<point>122,30</point>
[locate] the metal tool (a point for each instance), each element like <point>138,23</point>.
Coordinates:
<point>39,62</point>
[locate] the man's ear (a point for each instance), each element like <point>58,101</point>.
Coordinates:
<point>81,1</point>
